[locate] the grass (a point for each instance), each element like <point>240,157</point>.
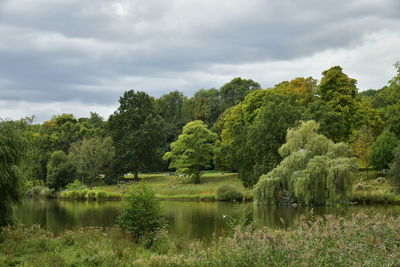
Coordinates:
<point>175,188</point>
<point>363,240</point>
<point>368,188</point>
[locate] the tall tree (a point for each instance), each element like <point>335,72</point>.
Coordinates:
<point>207,105</point>
<point>137,131</point>
<point>92,157</point>
<point>11,182</point>
<point>193,151</point>
<point>339,91</point>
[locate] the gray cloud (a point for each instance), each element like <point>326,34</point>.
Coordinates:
<point>87,53</point>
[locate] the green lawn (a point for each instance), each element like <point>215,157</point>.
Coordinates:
<point>174,187</point>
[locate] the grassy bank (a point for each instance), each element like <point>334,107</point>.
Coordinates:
<point>172,187</point>
<point>372,188</point>
<point>360,241</point>
<point>368,188</point>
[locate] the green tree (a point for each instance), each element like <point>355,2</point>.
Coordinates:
<point>11,181</point>
<point>207,105</point>
<point>258,154</point>
<point>339,91</point>
<point>193,150</point>
<point>363,140</point>
<point>92,157</point>
<point>394,170</point>
<point>382,150</point>
<point>233,92</point>
<point>303,88</point>
<point>141,213</point>
<point>314,170</point>
<point>137,132</point>
<point>60,170</point>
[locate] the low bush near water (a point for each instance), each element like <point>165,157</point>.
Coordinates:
<point>228,192</point>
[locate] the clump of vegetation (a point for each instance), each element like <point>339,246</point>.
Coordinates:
<point>76,185</point>
<point>382,150</point>
<point>141,213</point>
<point>60,170</point>
<point>41,191</point>
<point>314,171</point>
<point>228,192</point>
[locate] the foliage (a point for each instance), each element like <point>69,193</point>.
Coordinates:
<point>141,213</point>
<point>193,150</point>
<point>137,133</point>
<point>241,218</point>
<point>207,105</point>
<point>339,91</point>
<point>228,192</point>
<point>41,191</point>
<point>303,88</point>
<point>60,170</point>
<point>92,157</point>
<point>259,153</point>
<point>315,170</point>
<point>11,181</point>
<point>75,185</point>
<point>382,150</point>
<point>362,143</point>
<point>233,92</point>
<point>394,171</point>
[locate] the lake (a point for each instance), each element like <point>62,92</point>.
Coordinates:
<point>186,219</point>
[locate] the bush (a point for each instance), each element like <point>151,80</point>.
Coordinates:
<point>101,195</point>
<point>141,213</point>
<point>228,193</point>
<point>41,191</point>
<point>76,185</point>
<point>91,195</point>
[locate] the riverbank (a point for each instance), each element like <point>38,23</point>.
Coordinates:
<point>368,188</point>
<point>333,241</point>
<point>166,187</point>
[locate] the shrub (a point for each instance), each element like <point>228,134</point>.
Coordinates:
<point>101,195</point>
<point>76,185</point>
<point>228,192</point>
<point>141,213</point>
<point>91,195</point>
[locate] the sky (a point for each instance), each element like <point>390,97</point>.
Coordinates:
<point>74,56</point>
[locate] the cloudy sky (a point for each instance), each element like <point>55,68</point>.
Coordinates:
<point>74,56</point>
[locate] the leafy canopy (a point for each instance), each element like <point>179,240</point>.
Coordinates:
<point>314,171</point>
<point>92,157</point>
<point>11,182</point>
<point>193,150</point>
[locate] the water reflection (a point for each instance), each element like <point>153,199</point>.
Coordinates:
<point>186,219</point>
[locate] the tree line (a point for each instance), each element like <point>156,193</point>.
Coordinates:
<point>237,127</point>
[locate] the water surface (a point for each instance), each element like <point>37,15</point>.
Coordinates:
<point>186,219</point>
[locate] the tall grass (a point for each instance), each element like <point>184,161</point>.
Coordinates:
<point>361,241</point>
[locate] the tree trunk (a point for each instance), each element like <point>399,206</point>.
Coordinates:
<point>196,176</point>
<point>136,175</point>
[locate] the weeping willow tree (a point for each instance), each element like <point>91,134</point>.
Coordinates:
<point>314,171</point>
<point>11,151</point>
